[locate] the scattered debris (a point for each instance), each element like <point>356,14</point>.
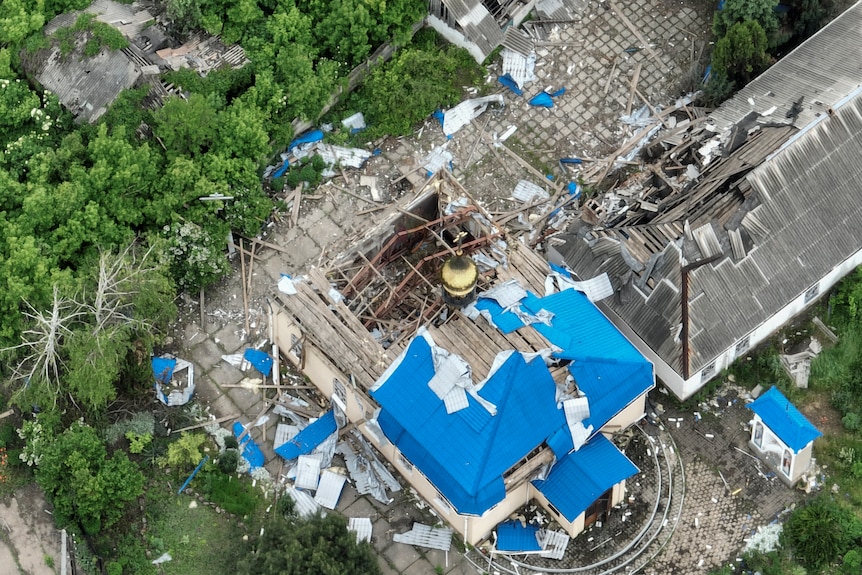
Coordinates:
<point>174,380</point>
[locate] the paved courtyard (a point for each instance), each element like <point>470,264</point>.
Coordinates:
<point>596,59</point>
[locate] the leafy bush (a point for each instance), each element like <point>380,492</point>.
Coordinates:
<point>185,452</point>
<point>821,531</point>
<point>315,545</point>
<point>418,80</point>
<point>140,423</point>
<point>195,257</point>
<point>308,170</point>
<point>86,486</point>
<point>228,461</point>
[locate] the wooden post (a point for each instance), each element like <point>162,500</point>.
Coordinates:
<point>244,291</point>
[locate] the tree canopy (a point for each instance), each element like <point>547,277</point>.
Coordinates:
<point>86,486</point>
<point>295,546</point>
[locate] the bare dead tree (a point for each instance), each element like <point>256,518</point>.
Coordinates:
<point>43,342</point>
<point>115,288</point>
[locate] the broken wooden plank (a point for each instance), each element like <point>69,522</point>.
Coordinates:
<point>244,290</point>
<point>526,165</point>
<point>634,85</point>
<point>297,200</point>
<point>205,423</point>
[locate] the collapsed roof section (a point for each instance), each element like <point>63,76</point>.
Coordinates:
<point>723,231</point>
<point>87,85</point>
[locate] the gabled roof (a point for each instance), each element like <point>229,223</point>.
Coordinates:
<point>579,478</point>
<point>782,417</point>
<point>580,330</point>
<point>306,440</point>
<point>465,453</point>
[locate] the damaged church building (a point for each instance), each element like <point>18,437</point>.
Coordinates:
<point>485,377</point>
<point>741,218</point>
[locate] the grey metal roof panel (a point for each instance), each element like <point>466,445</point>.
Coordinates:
<point>823,69</point>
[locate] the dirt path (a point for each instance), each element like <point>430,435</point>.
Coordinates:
<point>29,543</point>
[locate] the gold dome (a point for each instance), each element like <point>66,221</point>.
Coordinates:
<point>459,276</point>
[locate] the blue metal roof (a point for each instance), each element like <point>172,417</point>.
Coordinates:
<point>306,440</point>
<point>582,476</point>
<point>465,453</point>
<point>580,329</point>
<point>512,537</point>
<point>782,417</point>
<point>610,385</point>
<point>608,369</point>
<point>506,321</point>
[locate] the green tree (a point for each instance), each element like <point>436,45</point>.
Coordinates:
<point>87,487</point>
<point>741,54</point>
<point>186,126</point>
<point>740,11</point>
<point>185,14</point>
<point>298,546</point>
<point>19,19</point>
<point>401,93</point>
<point>345,31</point>
<point>821,531</point>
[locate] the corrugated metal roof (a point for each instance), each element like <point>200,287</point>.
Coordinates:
<point>426,536</point>
<point>580,329</point>
<point>554,543</point>
<point>513,537</point>
<point>329,489</point>
<point>309,438</point>
<point>782,417</point>
<point>306,506</point>
<point>466,464</point>
<point>466,452</point>
<point>822,70</point>
<point>611,385</point>
<point>581,477</point>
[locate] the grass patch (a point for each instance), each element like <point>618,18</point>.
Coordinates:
<point>199,540</point>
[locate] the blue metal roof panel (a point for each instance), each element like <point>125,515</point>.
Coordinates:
<point>610,385</point>
<point>306,440</point>
<point>782,417</point>
<point>506,321</point>
<point>582,476</point>
<point>561,442</point>
<point>512,537</point>
<point>580,329</point>
<point>466,460</point>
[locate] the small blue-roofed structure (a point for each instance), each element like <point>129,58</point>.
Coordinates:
<point>781,435</point>
<point>514,538</point>
<point>173,379</point>
<point>580,478</point>
<point>309,438</point>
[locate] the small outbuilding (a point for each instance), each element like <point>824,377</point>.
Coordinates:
<point>781,436</point>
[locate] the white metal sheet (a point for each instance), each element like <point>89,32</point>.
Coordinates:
<point>307,472</point>
<point>554,543</point>
<point>426,536</point>
<point>329,489</point>
<point>362,527</point>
